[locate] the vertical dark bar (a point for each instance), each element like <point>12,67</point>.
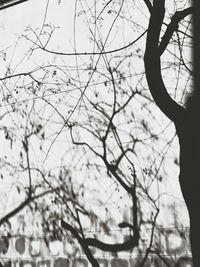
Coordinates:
<point>194,133</point>
<point>196,50</point>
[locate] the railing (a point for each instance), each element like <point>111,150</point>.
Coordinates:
<point>24,251</point>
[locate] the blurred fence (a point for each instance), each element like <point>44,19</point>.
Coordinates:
<point>112,262</point>
<point>29,251</point>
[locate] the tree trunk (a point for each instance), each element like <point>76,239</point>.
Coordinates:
<point>186,120</point>
<point>189,138</point>
<point>192,195</point>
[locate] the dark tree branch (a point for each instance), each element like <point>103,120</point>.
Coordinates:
<point>21,206</point>
<point>149,5</point>
<point>153,66</point>
<point>9,3</point>
<point>129,244</point>
<point>135,208</point>
<point>173,26</point>
<point>113,170</point>
<point>105,52</point>
<point>82,242</point>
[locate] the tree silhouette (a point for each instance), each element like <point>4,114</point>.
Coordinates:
<point>185,119</point>
<point>90,119</point>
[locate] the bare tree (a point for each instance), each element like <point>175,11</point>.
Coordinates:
<point>97,116</point>
<point>185,119</point>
